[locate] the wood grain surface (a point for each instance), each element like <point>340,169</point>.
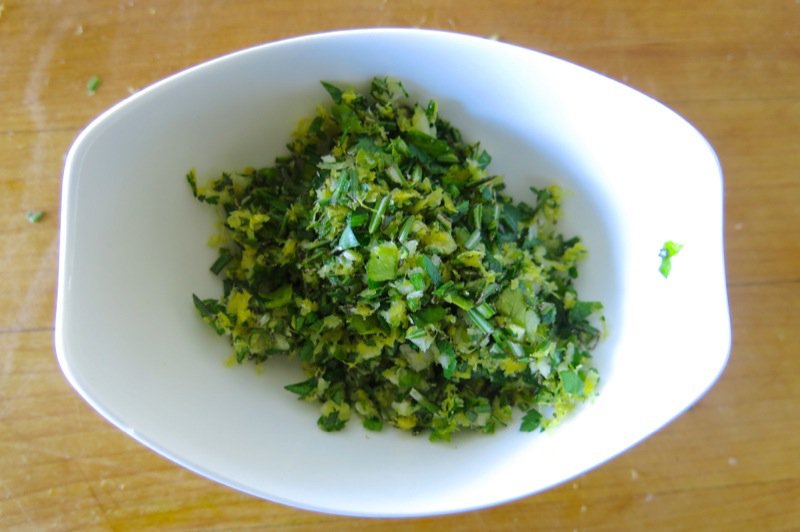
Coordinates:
<point>732,68</point>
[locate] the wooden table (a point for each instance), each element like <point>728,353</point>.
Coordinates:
<point>731,67</point>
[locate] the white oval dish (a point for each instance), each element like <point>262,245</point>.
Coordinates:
<point>133,250</point>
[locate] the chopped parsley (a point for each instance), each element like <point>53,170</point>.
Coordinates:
<point>668,250</point>
<point>383,255</point>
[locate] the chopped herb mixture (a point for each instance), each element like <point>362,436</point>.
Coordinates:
<point>383,254</point>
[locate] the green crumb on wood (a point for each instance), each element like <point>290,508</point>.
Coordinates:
<point>34,217</point>
<point>93,84</point>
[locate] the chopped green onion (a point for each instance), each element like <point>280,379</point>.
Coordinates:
<point>458,300</point>
<point>473,239</point>
<point>431,270</point>
<point>405,230</point>
<point>485,310</point>
<point>225,257</point>
<point>480,321</point>
<point>477,217</point>
<point>279,298</point>
<point>343,183</point>
<point>395,175</point>
<point>377,217</point>
<point>445,221</point>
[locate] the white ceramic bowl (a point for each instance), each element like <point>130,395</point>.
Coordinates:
<point>133,250</point>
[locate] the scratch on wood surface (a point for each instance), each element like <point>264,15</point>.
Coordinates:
<point>7,495</point>
<point>24,311</point>
<point>36,80</point>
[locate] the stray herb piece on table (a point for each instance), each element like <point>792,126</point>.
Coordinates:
<point>93,84</point>
<point>34,217</point>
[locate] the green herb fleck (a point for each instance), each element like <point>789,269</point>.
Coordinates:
<point>93,84</point>
<point>303,389</point>
<point>668,250</point>
<point>531,421</point>
<point>34,217</point>
<point>374,424</point>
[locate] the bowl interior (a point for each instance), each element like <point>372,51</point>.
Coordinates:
<point>134,250</point>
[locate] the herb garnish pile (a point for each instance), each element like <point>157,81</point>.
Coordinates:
<point>383,254</point>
